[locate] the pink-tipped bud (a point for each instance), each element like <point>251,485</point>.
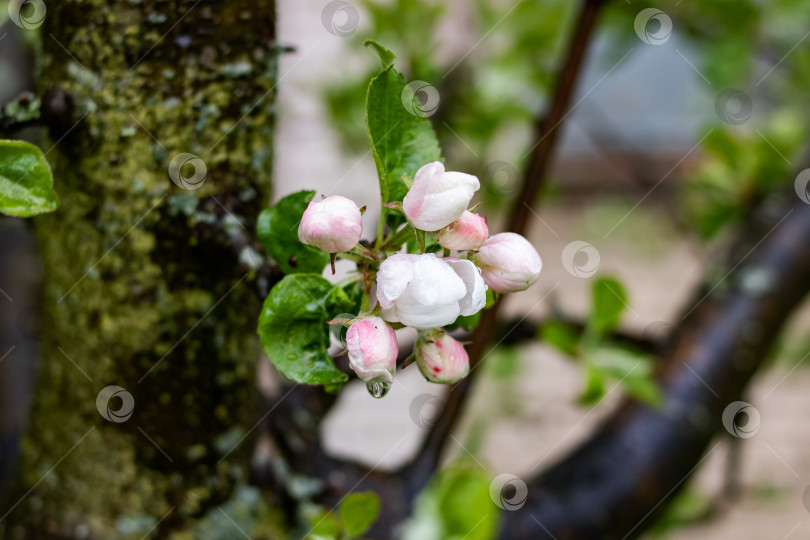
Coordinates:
<point>467,232</point>
<point>333,224</point>
<point>373,349</point>
<point>438,198</point>
<point>441,359</point>
<point>508,262</point>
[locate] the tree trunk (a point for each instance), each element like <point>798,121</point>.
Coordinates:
<point>143,287</point>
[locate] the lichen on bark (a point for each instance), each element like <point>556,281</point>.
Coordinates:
<point>142,289</point>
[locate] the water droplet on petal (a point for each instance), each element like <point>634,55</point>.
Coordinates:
<point>378,389</point>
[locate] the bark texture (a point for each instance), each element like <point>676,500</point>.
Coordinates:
<point>143,288</point>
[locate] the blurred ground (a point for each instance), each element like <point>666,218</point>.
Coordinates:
<point>521,424</point>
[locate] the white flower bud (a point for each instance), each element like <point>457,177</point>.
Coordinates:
<point>508,262</point>
<point>333,224</point>
<point>438,198</point>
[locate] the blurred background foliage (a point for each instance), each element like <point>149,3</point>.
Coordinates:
<point>494,65</point>
<point>497,78</point>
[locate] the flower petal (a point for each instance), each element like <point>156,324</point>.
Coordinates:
<point>476,297</point>
<point>393,277</point>
<point>434,282</point>
<point>416,315</point>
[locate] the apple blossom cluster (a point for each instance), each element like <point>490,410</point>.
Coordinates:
<point>424,291</point>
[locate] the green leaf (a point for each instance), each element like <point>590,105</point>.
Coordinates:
<point>386,57</point>
<point>397,189</point>
<point>562,336</point>
<point>645,390</point>
<point>358,511</point>
<point>420,239</point>
<point>26,183</point>
<point>456,504</point>
<point>609,302</point>
<point>277,229</point>
<point>594,386</point>
<point>401,142</point>
<point>325,525</point>
<point>430,245</point>
<point>634,371</point>
<point>293,328</point>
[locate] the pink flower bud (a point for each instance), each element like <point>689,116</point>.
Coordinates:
<point>438,198</point>
<point>508,262</point>
<point>333,224</point>
<point>373,349</point>
<point>467,232</point>
<point>441,359</point>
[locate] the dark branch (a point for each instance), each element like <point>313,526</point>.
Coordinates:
<point>619,480</point>
<point>547,132</point>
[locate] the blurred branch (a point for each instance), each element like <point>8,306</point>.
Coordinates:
<point>640,457</point>
<point>547,128</point>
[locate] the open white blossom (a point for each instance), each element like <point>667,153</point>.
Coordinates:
<point>424,291</point>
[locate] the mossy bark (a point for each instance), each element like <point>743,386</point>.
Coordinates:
<point>143,289</point>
